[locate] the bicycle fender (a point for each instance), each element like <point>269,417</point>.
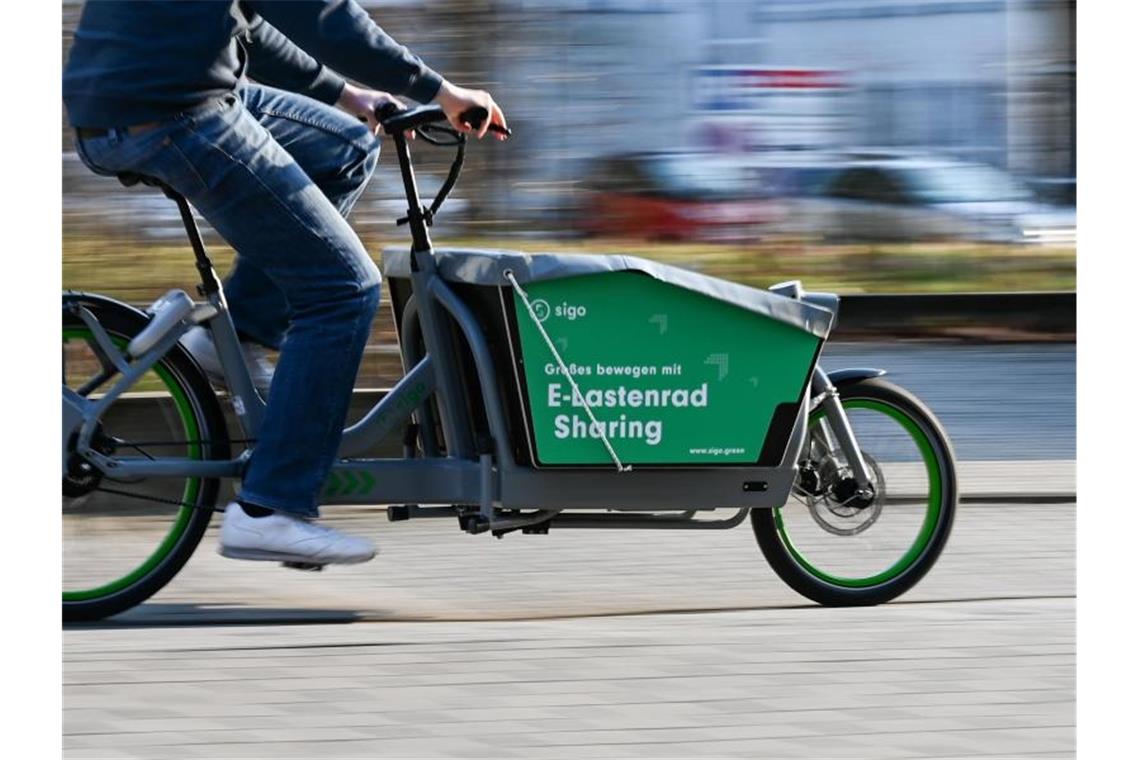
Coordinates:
<point>75,298</point>
<point>841,377</point>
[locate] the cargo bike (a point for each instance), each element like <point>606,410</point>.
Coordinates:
<point>541,392</point>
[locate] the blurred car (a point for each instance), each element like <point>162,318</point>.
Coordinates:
<point>676,196</point>
<point>912,198</point>
<point>1058,191</point>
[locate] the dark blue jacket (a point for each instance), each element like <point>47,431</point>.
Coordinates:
<point>137,62</point>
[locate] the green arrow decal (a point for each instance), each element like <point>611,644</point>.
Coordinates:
<point>367,481</point>
<point>349,482</point>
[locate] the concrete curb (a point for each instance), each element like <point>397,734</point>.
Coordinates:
<point>1008,498</point>
<point>985,317</point>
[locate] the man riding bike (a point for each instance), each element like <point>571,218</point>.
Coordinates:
<point>230,103</point>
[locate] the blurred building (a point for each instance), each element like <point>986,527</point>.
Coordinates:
<point>984,79</point>
<point>990,80</point>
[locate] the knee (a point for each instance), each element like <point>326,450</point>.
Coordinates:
<point>347,312</point>
<point>346,293</point>
<point>368,165</point>
<point>372,156</point>
<point>366,146</point>
<point>369,276</point>
<point>360,294</point>
<point>362,311</point>
<point>370,298</point>
<point>364,302</point>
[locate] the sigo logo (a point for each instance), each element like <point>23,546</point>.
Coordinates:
<point>541,310</point>
<point>563,310</point>
<point>569,311</point>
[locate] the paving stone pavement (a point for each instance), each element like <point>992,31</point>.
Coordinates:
<point>451,645</point>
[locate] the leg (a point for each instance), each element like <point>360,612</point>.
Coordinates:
<point>261,201</point>
<point>337,152</point>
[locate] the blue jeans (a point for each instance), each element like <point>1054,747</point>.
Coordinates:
<point>275,174</point>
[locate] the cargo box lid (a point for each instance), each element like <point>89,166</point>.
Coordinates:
<point>480,266</point>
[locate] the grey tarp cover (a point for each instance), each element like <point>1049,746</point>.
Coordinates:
<point>477,266</point>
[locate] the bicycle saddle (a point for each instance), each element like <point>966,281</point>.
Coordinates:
<point>130,179</point>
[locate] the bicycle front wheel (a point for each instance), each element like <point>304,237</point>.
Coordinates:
<point>125,538</point>
<point>839,548</point>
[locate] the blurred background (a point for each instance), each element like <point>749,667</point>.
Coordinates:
<point>865,146</point>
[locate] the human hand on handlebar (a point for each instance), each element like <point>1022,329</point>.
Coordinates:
<point>456,100</point>
<point>364,104</point>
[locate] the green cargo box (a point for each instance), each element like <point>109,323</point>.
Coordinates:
<point>678,369</point>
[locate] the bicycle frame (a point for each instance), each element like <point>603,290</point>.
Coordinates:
<point>478,469</point>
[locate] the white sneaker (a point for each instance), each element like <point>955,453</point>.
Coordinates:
<point>281,537</point>
<point>200,343</point>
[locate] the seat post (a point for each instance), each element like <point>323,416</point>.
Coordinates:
<point>211,285</point>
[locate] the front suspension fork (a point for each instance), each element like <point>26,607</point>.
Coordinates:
<point>836,428</point>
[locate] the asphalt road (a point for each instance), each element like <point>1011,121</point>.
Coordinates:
<point>626,644</point>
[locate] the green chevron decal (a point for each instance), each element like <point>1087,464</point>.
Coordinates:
<point>368,482</point>
<point>349,483</point>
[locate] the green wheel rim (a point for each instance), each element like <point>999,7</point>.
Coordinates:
<point>189,493</point>
<point>930,521</point>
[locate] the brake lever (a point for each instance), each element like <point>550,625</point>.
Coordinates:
<point>474,118</point>
<point>425,131</point>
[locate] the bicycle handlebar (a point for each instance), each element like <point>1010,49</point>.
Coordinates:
<point>424,120</point>
<point>395,121</point>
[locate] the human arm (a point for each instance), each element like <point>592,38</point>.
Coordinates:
<point>455,101</point>
<point>341,34</point>
<point>274,60</point>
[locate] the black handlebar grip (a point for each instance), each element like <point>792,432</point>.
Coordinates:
<point>475,116</point>
<point>386,109</point>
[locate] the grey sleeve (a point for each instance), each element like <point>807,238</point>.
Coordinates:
<point>340,34</point>
<point>275,61</point>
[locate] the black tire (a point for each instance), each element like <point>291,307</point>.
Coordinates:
<point>200,404</point>
<point>812,583</point>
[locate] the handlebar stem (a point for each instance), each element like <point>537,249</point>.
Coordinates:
<point>421,241</point>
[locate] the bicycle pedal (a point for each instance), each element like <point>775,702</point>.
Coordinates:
<point>311,567</point>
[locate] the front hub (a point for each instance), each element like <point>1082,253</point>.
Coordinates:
<point>839,505</point>
<point>846,493</point>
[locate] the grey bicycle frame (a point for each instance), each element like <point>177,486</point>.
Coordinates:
<point>473,472</point>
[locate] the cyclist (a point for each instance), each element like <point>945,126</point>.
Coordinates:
<point>231,104</point>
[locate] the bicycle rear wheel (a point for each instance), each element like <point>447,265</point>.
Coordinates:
<point>125,538</point>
